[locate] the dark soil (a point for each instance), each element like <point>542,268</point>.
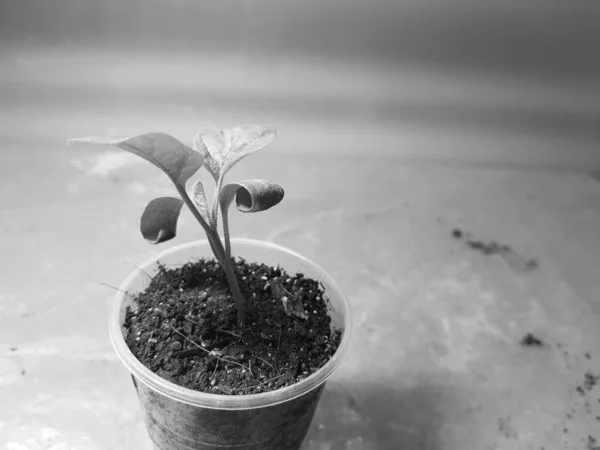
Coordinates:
<point>185,328</point>
<point>529,340</point>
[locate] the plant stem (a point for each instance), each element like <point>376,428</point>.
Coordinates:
<point>212,235</point>
<point>215,211</point>
<point>225,215</point>
<point>220,255</point>
<point>237,294</point>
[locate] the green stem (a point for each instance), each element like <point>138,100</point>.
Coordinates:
<point>215,211</point>
<point>220,255</point>
<point>225,215</point>
<point>237,294</point>
<point>213,237</point>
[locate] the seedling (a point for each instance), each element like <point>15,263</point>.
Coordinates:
<point>217,151</point>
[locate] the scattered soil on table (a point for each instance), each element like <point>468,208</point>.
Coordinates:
<point>590,381</point>
<point>529,340</point>
<point>506,428</point>
<point>494,248</point>
<point>185,328</point>
<point>584,389</point>
<point>457,234</point>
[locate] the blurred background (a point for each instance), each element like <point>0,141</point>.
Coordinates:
<point>498,81</point>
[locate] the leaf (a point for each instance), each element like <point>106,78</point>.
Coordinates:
<point>209,162</point>
<point>277,289</point>
<point>224,148</point>
<point>250,195</point>
<point>294,306</point>
<point>175,159</point>
<point>199,198</point>
<point>159,219</point>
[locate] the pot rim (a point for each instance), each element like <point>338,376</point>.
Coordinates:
<point>220,401</point>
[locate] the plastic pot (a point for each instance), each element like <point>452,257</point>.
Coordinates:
<point>178,418</point>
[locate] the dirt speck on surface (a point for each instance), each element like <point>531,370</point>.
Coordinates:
<point>529,340</point>
<point>492,247</point>
<point>506,428</point>
<point>590,381</point>
<point>457,234</point>
<point>582,402</point>
<point>185,328</point>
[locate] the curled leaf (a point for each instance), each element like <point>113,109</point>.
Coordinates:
<point>199,198</point>
<point>250,195</point>
<point>159,219</point>
<point>224,148</point>
<point>175,159</point>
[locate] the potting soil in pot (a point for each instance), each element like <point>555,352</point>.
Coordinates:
<point>185,328</point>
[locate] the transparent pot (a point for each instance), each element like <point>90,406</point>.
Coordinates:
<point>180,418</point>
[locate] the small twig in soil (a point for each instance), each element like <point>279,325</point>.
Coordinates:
<point>266,362</point>
<point>218,343</point>
<point>277,351</point>
<point>208,351</point>
<point>279,339</point>
<point>216,367</point>
<point>274,378</point>
<point>141,270</point>
<point>228,332</point>
<point>190,320</point>
<point>116,289</point>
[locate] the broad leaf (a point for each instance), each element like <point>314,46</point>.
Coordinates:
<point>159,220</point>
<point>250,195</point>
<point>224,148</point>
<point>178,161</point>
<point>199,198</point>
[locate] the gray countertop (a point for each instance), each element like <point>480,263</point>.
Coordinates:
<point>435,362</point>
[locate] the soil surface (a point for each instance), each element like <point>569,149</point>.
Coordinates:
<point>185,328</point>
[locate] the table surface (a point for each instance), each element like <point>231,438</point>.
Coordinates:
<point>435,361</point>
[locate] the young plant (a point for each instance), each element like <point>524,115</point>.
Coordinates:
<point>217,151</point>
